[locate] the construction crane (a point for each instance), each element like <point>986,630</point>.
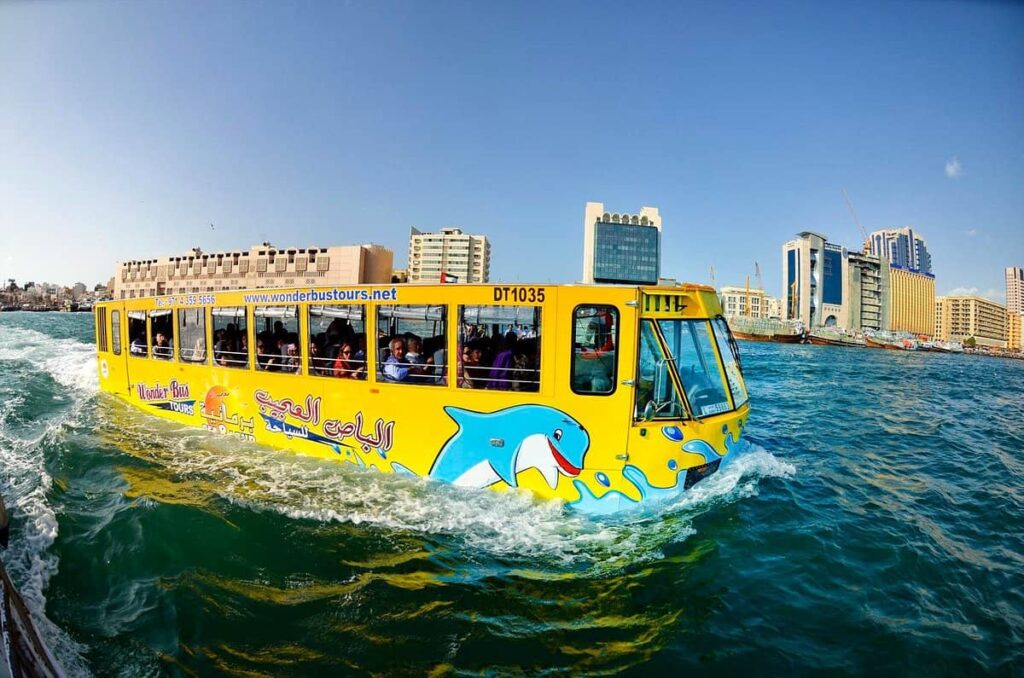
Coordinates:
<point>853,213</point>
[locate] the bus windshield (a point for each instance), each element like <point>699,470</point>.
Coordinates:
<point>692,346</point>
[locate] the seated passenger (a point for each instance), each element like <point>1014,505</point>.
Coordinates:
<point>346,366</point>
<point>199,351</point>
<point>262,356</point>
<point>421,365</point>
<point>161,347</point>
<point>395,367</point>
<point>500,377</point>
<point>318,364</point>
<point>472,374</point>
<point>138,346</point>
<point>291,362</point>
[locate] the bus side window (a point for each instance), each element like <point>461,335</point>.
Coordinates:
<point>594,341</point>
<point>138,345</point>
<point>160,333</point>
<point>278,345</point>
<point>192,335</point>
<point>411,343</point>
<point>499,348</point>
<point>230,337</point>
<point>337,341</point>
<point>115,331</point>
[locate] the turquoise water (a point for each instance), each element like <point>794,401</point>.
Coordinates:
<point>874,522</point>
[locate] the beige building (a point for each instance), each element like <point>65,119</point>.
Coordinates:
<point>460,257</point>
<point>263,266</point>
<point>734,302</point>
<point>1015,331</point>
<point>912,305</point>
<point>960,317</point>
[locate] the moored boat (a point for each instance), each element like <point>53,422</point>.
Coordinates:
<point>824,337</point>
<point>767,329</point>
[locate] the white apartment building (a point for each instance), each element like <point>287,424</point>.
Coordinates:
<point>734,302</point>
<point>263,266</point>
<point>451,254</point>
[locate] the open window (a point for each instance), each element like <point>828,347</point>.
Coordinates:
<point>595,336</point>
<point>412,344</point>
<point>230,337</point>
<point>161,335</point>
<point>337,341</point>
<point>192,335</point>
<point>139,342</point>
<point>499,347</point>
<point>278,347</point>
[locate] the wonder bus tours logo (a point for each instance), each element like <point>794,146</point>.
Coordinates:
<point>175,397</point>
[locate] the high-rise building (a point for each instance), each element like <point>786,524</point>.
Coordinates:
<point>448,256</point>
<point>870,292</point>
<point>903,247</point>
<point>734,302</point>
<point>912,304</point>
<point>621,248</point>
<point>963,316</point>
<point>263,266</point>
<point>814,281</point>
<point>1014,290</point>
<point>1015,331</point>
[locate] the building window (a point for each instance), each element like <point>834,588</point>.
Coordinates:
<point>413,344</point>
<point>594,341</point>
<point>337,341</point>
<point>499,347</point>
<point>192,335</point>
<point>230,337</point>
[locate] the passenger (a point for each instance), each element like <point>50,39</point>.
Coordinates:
<point>161,347</point>
<point>291,362</point>
<point>395,367</point>
<point>499,375</point>
<point>138,346</point>
<point>361,347</point>
<point>473,374</point>
<point>420,366</point>
<point>346,366</point>
<point>522,376</point>
<point>199,351</point>
<point>262,357</point>
<point>318,364</point>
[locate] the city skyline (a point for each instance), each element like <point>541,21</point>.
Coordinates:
<point>139,131</point>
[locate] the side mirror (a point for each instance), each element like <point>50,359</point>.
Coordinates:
<point>649,410</point>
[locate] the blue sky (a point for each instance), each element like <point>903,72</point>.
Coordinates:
<point>126,128</point>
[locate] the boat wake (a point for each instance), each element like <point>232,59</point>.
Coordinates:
<point>508,525</point>
<point>45,386</point>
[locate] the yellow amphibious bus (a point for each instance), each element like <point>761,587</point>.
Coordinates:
<point>606,397</point>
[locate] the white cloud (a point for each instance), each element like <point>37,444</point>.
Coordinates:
<point>953,168</point>
<point>972,232</point>
<point>992,293</point>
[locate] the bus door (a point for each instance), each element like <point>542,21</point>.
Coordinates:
<point>602,399</point>
<point>111,349</point>
<point>659,414</point>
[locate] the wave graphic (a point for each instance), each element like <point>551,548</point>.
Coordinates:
<point>509,525</point>
<point>45,386</point>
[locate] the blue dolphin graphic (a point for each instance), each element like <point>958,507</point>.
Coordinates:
<point>488,447</point>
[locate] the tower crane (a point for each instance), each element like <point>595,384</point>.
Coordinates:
<point>853,213</point>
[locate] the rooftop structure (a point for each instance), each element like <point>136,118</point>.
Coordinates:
<point>903,247</point>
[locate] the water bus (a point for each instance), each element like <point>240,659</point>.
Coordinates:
<point>606,397</point>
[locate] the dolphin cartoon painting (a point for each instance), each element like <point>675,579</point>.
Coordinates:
<point>488,447</point>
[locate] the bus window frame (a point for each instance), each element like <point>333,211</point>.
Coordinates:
<point>249,337</point>
<point>206,335</point>
<point>379,364</point>
<point>363,319</point>
<point>145,326</point>
<point>115,331</point>
<point>151,336</point>
<point>253,335</point>
<point>572,350</point>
